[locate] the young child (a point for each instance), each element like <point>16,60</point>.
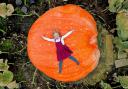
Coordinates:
<point>62,50</point>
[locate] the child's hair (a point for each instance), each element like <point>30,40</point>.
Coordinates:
<point>56,31</point>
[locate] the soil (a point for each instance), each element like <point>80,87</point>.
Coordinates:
<point>17,28</point>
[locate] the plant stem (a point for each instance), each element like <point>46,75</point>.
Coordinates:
<point>27,15</point>
<point>25,2</point>
<point>33,78</point>
<point>1,30</point>
<point>116,86</point>
<point>22,15</point>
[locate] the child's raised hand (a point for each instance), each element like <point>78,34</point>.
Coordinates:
<point>48,39</point>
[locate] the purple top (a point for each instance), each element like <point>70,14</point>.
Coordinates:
<point>62,51</point>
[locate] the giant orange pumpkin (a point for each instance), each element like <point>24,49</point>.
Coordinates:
<point>83,42</point>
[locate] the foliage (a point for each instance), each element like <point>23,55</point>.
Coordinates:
<point>19,11</point>
<point>101,33</point>
<point>125,5</point>
<point>6,45</point>
<point>122,25</point>
<point>6,76</point>
<point>121,41</point>
<point>24,73</point>
<point>6,10</point>
<point>121,45</point>
<point>106,59</point>
<point>3,65</point>
<point>108,49</point>
<point>105,85</point>
<point>121,8</point>
<point>118,5</point>
<point>123,81</point>
<point>2,24</point>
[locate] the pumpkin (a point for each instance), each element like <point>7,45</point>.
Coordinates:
<point>83,42</point>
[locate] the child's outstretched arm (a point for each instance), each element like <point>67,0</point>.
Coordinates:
<point>48,39</point>
<point>67,34</point>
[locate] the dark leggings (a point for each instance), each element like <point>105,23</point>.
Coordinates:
<point>61,62</point>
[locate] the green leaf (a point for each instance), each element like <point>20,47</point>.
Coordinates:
<point>1,77</point>
<point>1,30</point>
<point>125,5</point>
<point>121,45</point>
<point>1,87</point>
<point>19,11</point>
<point>7,45</point>
<point>122,25</point>
<point>99,38</point>
<point>123,81</point>
<point>7,77</point>
<point>105,85</point>
<point>115,5</point>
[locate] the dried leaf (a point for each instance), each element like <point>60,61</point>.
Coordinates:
<point>108,49</point>
<point>126,50</point>
<point>10,9</point>
<point>3,10</point>
<point>3,66</point>
<point>1,60</point>
<point>122,54</point>
<point>121,63</point>
<point>13,85</point>
<point>6,10</point>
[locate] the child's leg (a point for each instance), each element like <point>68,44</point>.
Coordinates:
<point>74,59</point>
<point>60,66</point>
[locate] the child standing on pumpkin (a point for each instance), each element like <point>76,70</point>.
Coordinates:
<point>62,50</point>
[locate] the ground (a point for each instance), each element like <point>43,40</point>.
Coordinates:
<point>13,39</point>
